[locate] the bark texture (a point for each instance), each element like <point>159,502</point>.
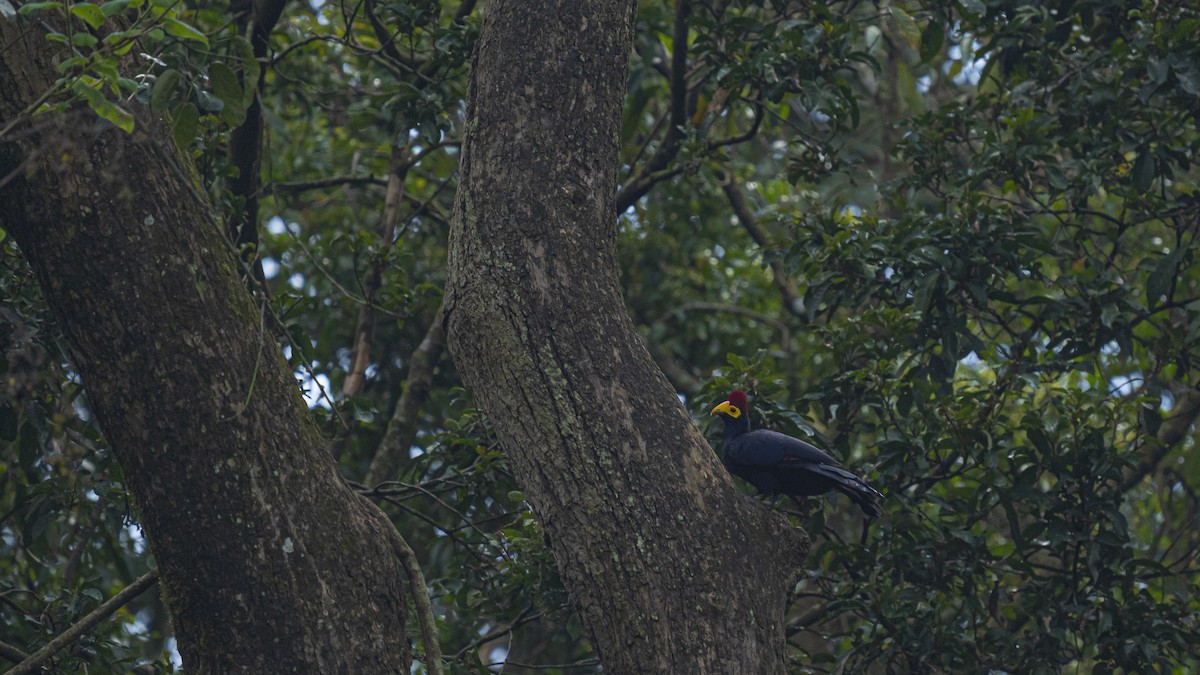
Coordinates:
<point>269,563</point>
<point>673,570</point>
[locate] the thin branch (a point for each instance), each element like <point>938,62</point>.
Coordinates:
<point>282,54</point>
<point>387,42</point>
<point>402,428</point>
<point>731,309</point>
<point>742,138</point>
<point>652,173</point>
<point>680,378</point>
<point>424,607</point>
<point>320,183</point>
<point>792,302</point>
<point>585,663</point>
<point>12,653</point>
<point>1172,432</point>
<point>257,19</point>
<point>464,10</point>
<point>523,618</point>
<point>364,332</point>
<point>679,88</point>
<point>70,635</point>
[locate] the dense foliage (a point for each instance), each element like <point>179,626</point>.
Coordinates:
<point>953,242</point>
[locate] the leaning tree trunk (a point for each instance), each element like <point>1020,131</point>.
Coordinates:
<point>268,562</point>
<point>672,569</point>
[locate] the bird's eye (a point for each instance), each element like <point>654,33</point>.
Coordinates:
<point>733,411</point>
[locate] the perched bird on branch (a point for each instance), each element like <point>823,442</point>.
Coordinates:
<point>779,464</point>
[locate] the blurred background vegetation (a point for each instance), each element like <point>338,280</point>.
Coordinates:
<point>953,242</point>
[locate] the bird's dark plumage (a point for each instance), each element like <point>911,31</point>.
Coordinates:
<point>779,464</point>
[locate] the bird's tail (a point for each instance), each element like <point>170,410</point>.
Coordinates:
<point>852,486</point>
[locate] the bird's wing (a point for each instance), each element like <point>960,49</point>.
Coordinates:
<point>765,448</point>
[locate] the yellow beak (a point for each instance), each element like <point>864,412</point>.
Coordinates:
<point>727,408</point>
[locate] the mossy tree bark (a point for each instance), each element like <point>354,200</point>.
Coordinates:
<point>268,562</point>
<point>673,570</point>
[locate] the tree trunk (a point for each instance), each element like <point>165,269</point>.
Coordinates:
<point>269,563</point>
<point>672,569</point>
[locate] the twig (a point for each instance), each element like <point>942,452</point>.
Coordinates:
<point>792,302</point>
<point>523,618</point>
<point>319,183</point>
<point>402,428</point>
<point>1170,434</point>
<point>679,377</point>
<point>731,309</point>
<point>586,663</point>
<point>12,653</point>
<point>364,332</point>
<point>41,656</point>
<point>420,593</point>
<point>655,170</point>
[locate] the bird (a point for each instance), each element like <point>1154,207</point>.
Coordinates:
<point>776,463</point>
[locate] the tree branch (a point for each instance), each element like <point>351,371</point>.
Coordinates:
<point>402,428</point>
<point>12,653</point>
<point>731,309</point>
<point>320,183</point>
<point>420,593</point>
<point>679,88</point>
<point>1173,431</point>
<point>743,137</point>
<point>365,330</point>
<point>258,18</point>
<point>464,10</point>
<point>523,618</point>
<point>680,378</point>
<point>653,173</point>
<point>64,640</point>
<point>792,302</point>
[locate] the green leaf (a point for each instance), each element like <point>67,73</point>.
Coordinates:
<point>932,39</point>
<point>82,39</point>
<point>31,7</point>
<point>1144,169</point>
<point>70,63</point>
<point>124,40</point>
<point>183,31</point>
<point>250,65</point>
<point>114,7</point>
<point>906,26</point>
<point>105,65</point>
<point>226,87</point>
<point>1108,314</point>
<point>164,86</point>
<point>975,7</point>
<point>103,107</point>
<point>923,296</point>
<point>90,13</point>
<point>187,118</point>
<point>1158,284</point>
<point>907,87</point>
<point>1152,417</point>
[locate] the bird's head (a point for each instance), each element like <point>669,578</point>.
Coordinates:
<point>735,411</point>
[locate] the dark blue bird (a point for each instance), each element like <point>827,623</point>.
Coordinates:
<point>778,464</point>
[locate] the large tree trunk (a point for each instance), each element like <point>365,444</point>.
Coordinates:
<point>672,569</point>
<point>269,563</point>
